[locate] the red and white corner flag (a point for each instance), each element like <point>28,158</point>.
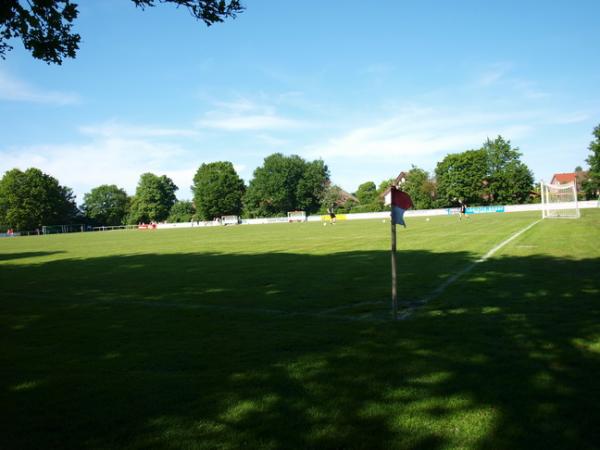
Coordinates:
<point>401,201</point>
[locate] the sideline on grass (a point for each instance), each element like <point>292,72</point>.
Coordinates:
<point>442,287</point>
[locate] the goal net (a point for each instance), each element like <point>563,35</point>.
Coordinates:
<point>297,216</point>
<point>559,201</point>
<point>230,220</point>
<point>55,229</point>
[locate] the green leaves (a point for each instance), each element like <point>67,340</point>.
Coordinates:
<point>508,180</point>
<point>44,26</point>
<point>31,199</point>
<point>461,176</point>
<point>181,211</point>
<point>106,205</point>
<point>592,185</point>
<point>493,174</point>
<point>420,187</point>
<point>366,192</point>
<point>218,190</point>
<point>286,183</point>
<point>153,199</point>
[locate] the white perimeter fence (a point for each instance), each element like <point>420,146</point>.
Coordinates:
<point>358,216</point>
<point>386,214</point>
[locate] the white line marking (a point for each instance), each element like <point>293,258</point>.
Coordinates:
<point>208,307</point>
<point>318,315</point>
<point>502,244</point>
<point>442,287</point>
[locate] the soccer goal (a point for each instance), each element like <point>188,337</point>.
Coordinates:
<point>559,201</point>
<point>55,229</point>
<point>230,220</point>
<point>297,216</point>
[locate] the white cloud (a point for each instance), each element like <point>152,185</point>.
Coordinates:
<point>499,76</point>
<point>271,141</point>
<point>13,89</point>
<point>103,161</point>
<point>575,117</point>
<point>112,129</point>
<point>249,122</point>
<point>493,74</point>
<point>421,132</point>
<point>244,114</point>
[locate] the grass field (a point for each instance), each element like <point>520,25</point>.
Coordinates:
<point>279,336</point>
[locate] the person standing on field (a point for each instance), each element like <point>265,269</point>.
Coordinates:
<point>331,212</point>
<point>463,209</point>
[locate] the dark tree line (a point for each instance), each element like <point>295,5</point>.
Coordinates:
<point>492,174</point>
<point>31,199</point>
<point>591,185</point>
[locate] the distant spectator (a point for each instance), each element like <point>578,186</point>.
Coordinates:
<point>332,217</point>
<point>463,209</point>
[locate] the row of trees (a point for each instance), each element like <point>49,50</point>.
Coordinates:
<point>591,184</point>
<point>492,174</point>
<point>31,199</point>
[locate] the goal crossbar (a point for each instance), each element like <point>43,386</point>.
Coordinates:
<point>559,201</point>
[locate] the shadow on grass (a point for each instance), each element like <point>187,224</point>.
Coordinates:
<point>23,255</point>
<point>508,357</point>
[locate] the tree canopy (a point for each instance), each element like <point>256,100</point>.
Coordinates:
<point>153,200</point>
<point>106,205</point>
<point>492,174</point>
<point>218,190</point>
<point>181,211</point>
<point>460,176</point>
<point>592,184</point>
<point>366,192</point>
<point>31,199</point>
<point>45,26</point>
<point>508,180</point>
<point>286,183</point>
<point>420,187</point>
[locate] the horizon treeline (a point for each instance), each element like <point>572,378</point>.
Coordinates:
<point>492,174</point>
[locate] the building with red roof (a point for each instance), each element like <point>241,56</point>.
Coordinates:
<point>568,177</point>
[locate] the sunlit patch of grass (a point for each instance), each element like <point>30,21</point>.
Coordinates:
<point>25,386</point>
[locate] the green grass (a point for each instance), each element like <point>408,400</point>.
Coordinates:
<point>279,336</point>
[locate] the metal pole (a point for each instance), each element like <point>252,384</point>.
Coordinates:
<point>394,290</point>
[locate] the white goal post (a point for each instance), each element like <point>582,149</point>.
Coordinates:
<point>230,220</point>
<point>559,201</point>
<point>297,216</point>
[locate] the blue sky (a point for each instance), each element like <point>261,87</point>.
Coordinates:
<point>370,88</point>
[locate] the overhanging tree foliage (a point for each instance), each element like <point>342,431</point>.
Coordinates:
<point>153,200</point>
<point>218,190</point>
<point>286,183</point>
<point>106,205</point>
<point>31,199</point>
<point>45,26</point>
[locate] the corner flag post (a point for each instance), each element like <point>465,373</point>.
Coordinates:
<point>394,283</point>
<point>400,201</point>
